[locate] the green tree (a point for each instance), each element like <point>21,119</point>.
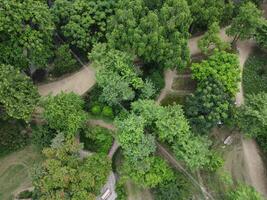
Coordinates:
<point>208,106</point>
<point>253,117</point>
<point>155,32</point>
<point>26,29</point>
<point>64,113</point>
<point>212,40</point>
<point>206,12</point>
<point>221,66</point>
<point>243,192</point>
<point>83,22</point>
<point>64,62</point>
<point>63,175</point>
<point>18,95</point>
<point>245,24</point>
<point>117,75</point>
<point>156,171</point>
<point>261,34</point>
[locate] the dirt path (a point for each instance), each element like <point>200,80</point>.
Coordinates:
<point>79,82</point>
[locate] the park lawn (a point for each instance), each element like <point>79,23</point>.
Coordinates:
<point>15,169</point>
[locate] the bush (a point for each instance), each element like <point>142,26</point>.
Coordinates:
<point>96,109</point>
<point>25,194</point>
<point>255,75</point>
<point>121,191</point>
<point>96,139</point>
<point>107,112</point>
<point>13,136</point>
<point>64,63</point>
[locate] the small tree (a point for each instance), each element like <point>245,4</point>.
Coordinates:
<point>18,95</point>
<point>212,40</point>
<point>64,113</point>
<point>245,24</point>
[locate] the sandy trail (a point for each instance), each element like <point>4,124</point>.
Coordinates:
<point>79,82</point>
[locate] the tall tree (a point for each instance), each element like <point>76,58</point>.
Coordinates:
<point>83,22</point>
<point>155,32</point>
<point>18,95</point>
<point>64,113</point>
<point>245,24</point>
<point>117,75</point>
<point>26,29</point>
<point>221,66</point>
<point>63,175</point>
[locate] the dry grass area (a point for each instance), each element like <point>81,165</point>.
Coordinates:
<point>136,193</point>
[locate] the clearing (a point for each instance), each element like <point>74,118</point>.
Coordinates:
<point>15,171</point>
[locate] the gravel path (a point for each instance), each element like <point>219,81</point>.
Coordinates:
<point>79,82</point>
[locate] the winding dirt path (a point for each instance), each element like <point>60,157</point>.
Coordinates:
<point>79,82</point>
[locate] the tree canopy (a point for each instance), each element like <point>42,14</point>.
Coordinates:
<point>64,113</point>
<point>63,175</point>
<point>155,32</point>
<point>26,29</point>
<point>83,22</point>
<point>18,95</point>
<point>261,34</point>
<point>221,66</point>
<point>245,24</point>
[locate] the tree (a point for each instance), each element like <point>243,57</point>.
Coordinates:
<point>155,32</point>
<point>18,95</point>
<point>64,62</point>
<point>221,66</point>
<point>63,175</point>
<point>26,29</point>
<point>64,113</point>
<point>261,34</point>
<point>212,40</point>
<point>156,172</point>
<point>83,22</point>
<point>206,12</point>
<point>245,24</point>
<point>253,117</point>
<point>208,106</point>
<point>117,76</point>
<point>243,192</point>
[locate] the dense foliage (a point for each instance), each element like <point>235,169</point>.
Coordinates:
<point>253,117</point>
<point>64,113</point>
<point>243,192</point>
<point>245,24</point>
<point>154,31</point>
<point>255,75</point>
<point>212,40</point>
<point>208,106</point>
<point>83,22</point>
<point>64,62</point>
<point>221,66</point>
<point>63,175</point>
<point>18,95</point>
<point>26,29</point>
<point>117,76</point>
<point>261,34</point>
<point>42,136</point>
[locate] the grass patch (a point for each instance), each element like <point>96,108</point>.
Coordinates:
<point>172,98</point>
<point>255,74</point>
<point>15,171</point>
<point>186,83</point>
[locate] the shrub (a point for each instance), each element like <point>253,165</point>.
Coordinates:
<point>96,109</point>
<point>64,63</point>
<point>107,112</point>
<point>121,191</point>
<point>25,194</point>
<point>13,136</point>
